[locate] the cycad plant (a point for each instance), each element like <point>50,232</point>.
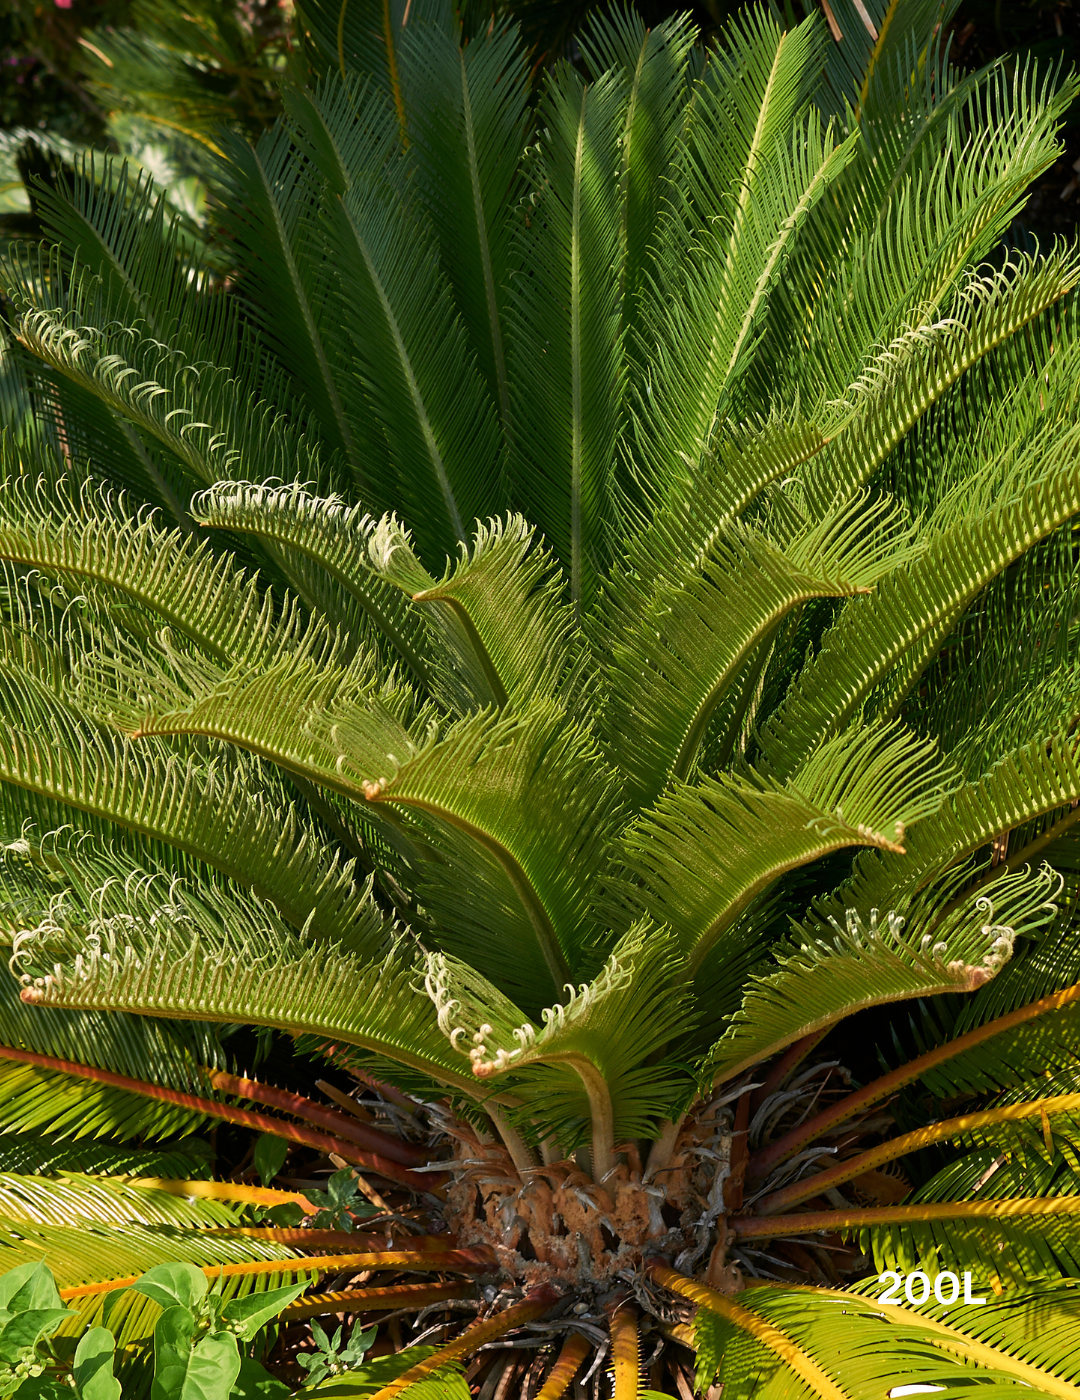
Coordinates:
<point>586,607</point>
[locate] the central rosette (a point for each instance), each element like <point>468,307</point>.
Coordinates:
<point>557,1224</point>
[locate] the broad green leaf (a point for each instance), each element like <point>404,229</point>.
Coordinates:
<point>257,1309</point>
<point>173,1285</point>
<point>190,1369</point>
<point>28,1286</point>
<point>22,1332</point>
<point>270,1154</point>
<point>93,1366</point>
<point>254,1382</point>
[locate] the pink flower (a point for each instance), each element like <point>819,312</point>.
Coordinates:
<point>63,4</point>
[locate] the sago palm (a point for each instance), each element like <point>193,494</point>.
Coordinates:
<point>585,606</point>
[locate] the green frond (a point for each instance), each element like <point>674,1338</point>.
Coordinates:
<point>1027,488</point>
<point>1032,1326</point>
<point>37,1100</point>
<point>467,121</point>
<point>365,38</point>
<point>892,958</point>
<point>742,460</point>
<point>213,808</point>
<point>116,225</point>
<point>507,599</point>
<point>1034,1238</point>
<point>675,649</point>
<point>93,1255</point>
<point>636,528</point>
<point>267,200</point>
<point>870,273</point>
<point>75,1199</point>
<point>863,1349</point>
<point>409,354</point>
<point>1036,685</point>
<point>24,1153</point>
<point>655,65</point>
<point>337,538</point>
<point>201,413</point>
<point>756,161</point>
<point>533,791</point>
<point>898,384</point>
<point>1040,777</point>
<point>218,955</point>
<point>168,1053</point>
<point>368,1379</point>
<point>603,1032</point>
<point>75,426</point>
<point>529,787</point>
<point>871,39</point>
<point>86,534</point>
<point>697,859</point>
<point>567,359</point>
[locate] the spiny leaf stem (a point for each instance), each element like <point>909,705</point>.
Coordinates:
<point>779,1343</point>
<point>534,1305</point>
<point>600,1109</point>
<point>912,1142</point>
<point>455,1260</point>
<point>402,1295</point>
<point>395,1149</point>
<point>243,1117</point>
<point>625,1353</point>
<point>435,1245</point>
<point>763,1161</point>
<point>231,1191</point>
<point>767,1227</point>
<point>521,1154</point>
<point>561,1376</point>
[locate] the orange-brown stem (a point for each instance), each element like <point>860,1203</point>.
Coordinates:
<point>944,1131</point>
<point>763,1162</point>
<point>311,1239</point>
<point>733,1187</point>
<point>625,1356</point>
<point>356,1300</point>
<point>338,1054</point>
<point>345,1101</point>
<point>764,1227</point>
<point>785,1066</point>
<point>244,1117</point>
<point>381,1143</point>
<point>561,1376</point>
<point>469,1261</point>
<point>537,1302</point>
<point>220,1191</point>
